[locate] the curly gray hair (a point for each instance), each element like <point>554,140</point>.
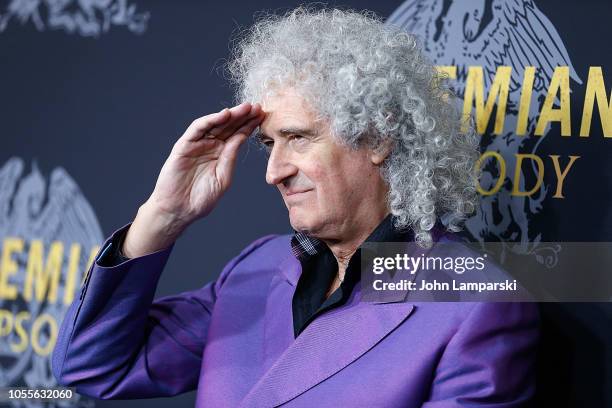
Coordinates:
<point>375,86</point>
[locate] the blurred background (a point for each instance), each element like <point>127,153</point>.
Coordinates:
<point>93,94</point>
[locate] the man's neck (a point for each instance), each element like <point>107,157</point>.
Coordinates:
<point>344,248</point>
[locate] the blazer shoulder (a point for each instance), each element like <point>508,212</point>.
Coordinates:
<point>268,248</point>
<point>274,245</point>
<point>270,242</point>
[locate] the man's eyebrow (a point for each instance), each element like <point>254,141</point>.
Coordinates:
<point>297,131</point>
<point>288,131</point>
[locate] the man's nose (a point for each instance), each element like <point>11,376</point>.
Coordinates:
<point>279,166</point>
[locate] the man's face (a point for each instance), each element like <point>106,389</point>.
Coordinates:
<point>327,187</point>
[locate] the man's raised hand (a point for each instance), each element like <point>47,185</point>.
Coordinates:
<point>195,175</point>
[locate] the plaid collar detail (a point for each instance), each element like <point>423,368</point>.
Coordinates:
<point>305,247</point>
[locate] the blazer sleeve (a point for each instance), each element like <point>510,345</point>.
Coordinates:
<point>490,361</point>
<point>115,342</point>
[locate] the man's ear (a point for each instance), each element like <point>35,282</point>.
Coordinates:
<point>380,153</point>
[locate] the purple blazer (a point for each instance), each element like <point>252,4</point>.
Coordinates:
<point>232,340</point>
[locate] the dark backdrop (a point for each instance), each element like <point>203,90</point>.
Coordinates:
<point>108,109</point>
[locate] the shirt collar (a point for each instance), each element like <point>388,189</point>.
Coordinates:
<point>304,247</point>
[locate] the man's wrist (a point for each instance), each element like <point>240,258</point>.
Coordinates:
<point>151,231</point>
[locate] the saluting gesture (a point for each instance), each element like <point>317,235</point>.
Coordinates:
<point>195,175</point>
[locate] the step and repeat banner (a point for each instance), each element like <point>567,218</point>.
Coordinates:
<point>93,94</point>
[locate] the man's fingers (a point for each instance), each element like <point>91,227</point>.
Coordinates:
<point>236,122</point>
<point>227,159</point>
<point>220,126</point>
<point>202,125</point>
<point>247,128</point>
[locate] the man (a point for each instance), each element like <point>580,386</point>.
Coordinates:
<point>364,144</point>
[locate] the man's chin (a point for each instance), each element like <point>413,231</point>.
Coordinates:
<point>303,224</point>
<point>301,227</point>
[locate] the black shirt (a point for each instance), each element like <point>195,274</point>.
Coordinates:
<point>319,269</point>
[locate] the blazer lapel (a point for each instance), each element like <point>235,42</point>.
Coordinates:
<point>278,318</point>
<point>328,344</point>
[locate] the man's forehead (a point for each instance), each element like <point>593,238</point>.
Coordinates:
<point>284,120</point>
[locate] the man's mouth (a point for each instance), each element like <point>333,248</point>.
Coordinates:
<point>295,192</point>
